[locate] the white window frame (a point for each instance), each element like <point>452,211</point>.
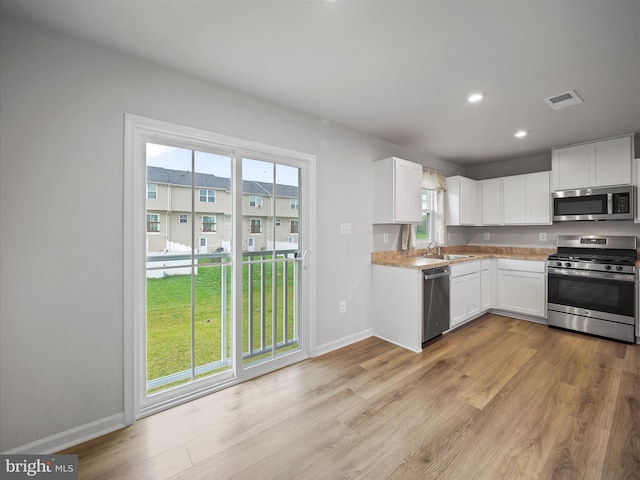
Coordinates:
<point>152,232</point>
<point>255,201</point>
<point>424,243</point>
<point>253,221</point>
<point>294,203</point>
<point>214,223</point>
<point>154,190</point>
<point>138,131</point>
<point>183,216</point>
<point>209,195</point>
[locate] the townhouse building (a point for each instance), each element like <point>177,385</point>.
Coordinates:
<point>174,218</point>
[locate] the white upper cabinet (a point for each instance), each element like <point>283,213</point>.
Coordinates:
<point>570,167</point>
<point>397,191</point>
<point>612,162</point>
<point>594,164</point>
<point>515,202</point>
<point>526,199</point>
<point>461,201</point>
<point>492,201</point>
<point>538,198</point>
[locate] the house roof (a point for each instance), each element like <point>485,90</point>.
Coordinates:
<point>207,180</point>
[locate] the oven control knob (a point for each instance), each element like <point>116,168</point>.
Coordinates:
<point>568,265</point>
<point>558,264</point>
<point>607,267</point>
<point>619,268</point>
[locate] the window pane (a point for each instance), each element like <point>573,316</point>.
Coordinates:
<point>270,236</point>
<point>182,319</point>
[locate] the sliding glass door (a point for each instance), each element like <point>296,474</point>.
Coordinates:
<point>223,289</point>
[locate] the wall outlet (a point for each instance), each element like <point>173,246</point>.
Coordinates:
<point>345,228</point>
<point>487,236</point>
<point>385,238</point>
<point>343,306</point>
<point>542,237</point>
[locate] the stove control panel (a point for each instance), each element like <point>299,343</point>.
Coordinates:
<point>555,265</point>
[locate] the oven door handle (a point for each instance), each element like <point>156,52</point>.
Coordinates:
<point>563,272</point>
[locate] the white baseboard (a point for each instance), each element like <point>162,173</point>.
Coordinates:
<point>69,438</point>
<point>519,316</point>
<point>342,342</point>
<point>398,344</point>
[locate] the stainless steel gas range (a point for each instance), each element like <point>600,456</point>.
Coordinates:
<point>591,286</point>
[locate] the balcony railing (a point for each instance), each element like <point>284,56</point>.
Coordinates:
<point>270,306</point>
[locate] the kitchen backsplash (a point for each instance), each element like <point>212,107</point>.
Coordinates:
<point>523,236</point>
<point>531,235</point>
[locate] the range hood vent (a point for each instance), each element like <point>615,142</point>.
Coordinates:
<point>563,100</point>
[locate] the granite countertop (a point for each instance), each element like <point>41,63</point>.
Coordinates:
<point>416,259</point>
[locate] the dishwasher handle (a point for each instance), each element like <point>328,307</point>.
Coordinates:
<point>436,273</point>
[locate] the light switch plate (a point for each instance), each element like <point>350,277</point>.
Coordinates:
<point>345,228</point>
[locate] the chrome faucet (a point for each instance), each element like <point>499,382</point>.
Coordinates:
<point>431,247</point>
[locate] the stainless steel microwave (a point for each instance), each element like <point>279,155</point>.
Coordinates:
<point>602,203</point>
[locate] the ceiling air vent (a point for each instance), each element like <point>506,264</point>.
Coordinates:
<point>563,100</point>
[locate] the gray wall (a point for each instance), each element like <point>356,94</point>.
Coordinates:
<point>62,109</point>
<point>528,236</point>
<point>532,164</point>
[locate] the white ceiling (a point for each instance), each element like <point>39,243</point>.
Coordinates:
<point>397,70</point>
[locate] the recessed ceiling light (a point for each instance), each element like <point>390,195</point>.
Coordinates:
<point>521,133</point>
<point>475,97</point>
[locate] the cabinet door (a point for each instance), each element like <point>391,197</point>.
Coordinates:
<point>408,192</point>
<point>514,205</point>
<point>457,300</point>
<point>485,290</point>
<point>467,201</point>
<point>538,198</point>
<point>472,295</point>
<point>491,201</point>
<point>571,167</point>
<point>521,292</point>
<point>612,162</point>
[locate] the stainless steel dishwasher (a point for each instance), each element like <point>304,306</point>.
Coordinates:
<point>435,297</point>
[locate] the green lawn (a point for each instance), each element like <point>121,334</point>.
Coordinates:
<point>169,316</point>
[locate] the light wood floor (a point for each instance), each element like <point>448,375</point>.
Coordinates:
<point>498,399</point>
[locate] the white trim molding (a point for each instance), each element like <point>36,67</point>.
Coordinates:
<point>71,437</point>
<point>342,342</point>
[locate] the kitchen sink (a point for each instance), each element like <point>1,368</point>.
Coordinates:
<point>449,256</point>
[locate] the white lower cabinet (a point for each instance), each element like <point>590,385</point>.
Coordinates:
<point>397,305</point>
<point>485,285</point>
<point>522,287</point>
<point>512,286</point>
<point>464,292</point>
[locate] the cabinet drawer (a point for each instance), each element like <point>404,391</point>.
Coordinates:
<point>521,265</point>
<point>466,268</point>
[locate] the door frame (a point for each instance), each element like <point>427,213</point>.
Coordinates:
<point>137,131</point>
